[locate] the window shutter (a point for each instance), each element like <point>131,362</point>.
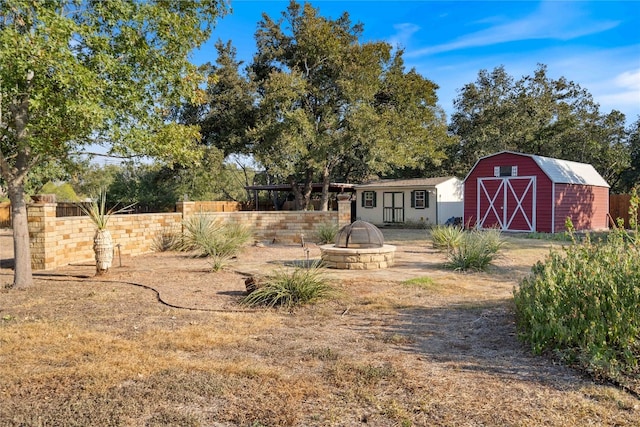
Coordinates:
<point>362,199</point>
<point>374,198</point>
<point>413,199</point>
<point>496,171</point>
<point>426,198</point>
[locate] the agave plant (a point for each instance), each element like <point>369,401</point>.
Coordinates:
<point>98,213</point>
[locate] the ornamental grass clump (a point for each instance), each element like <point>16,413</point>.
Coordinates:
<point>582,303</point>
<point>476,250</point>
<point>289,289</point>
<point>212,240</point>
<point>327,232</point>
<point>446,237</point>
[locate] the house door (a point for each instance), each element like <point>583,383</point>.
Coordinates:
<point>393,207</point>
<point>507,203</point>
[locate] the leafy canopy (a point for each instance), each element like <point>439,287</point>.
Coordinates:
<point>74,73</point>
<point>328,102</point>
<point>539,115</point>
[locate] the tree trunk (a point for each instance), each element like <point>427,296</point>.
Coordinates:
<point>303,196</point>
<point>103,249</point>
<point>15,175</point>
<point>324,202</point>
<point>22,277</point>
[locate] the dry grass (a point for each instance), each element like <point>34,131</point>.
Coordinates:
<point>78,352</point>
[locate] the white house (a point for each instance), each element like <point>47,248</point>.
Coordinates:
<point>430,200</point>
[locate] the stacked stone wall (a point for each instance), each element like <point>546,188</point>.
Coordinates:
<point>61,241</point>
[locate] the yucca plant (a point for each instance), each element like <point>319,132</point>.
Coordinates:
<point>446,237</point>
<point>98,213</point>
<point>477,249</point>
<point>216,241</point>
<point>327,232</point>
<point>289,289</point>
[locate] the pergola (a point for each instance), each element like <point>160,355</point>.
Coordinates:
<point>334,187</point>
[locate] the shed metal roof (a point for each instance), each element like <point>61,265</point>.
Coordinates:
<point>561,171</point>
<point>414,182</point>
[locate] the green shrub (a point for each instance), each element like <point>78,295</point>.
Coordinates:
<point>327,232</point>
<point>226,244</point>
<point>582,303</point>
<point>446,237</point>
<point>476,250</point>
<point>290,289</point>
<point>218,242</point>
<point>168,239</point>
<point>198,230</point>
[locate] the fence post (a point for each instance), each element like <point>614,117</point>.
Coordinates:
<point>344,211</point>
<point>41,217</point>
<point>187,209</point>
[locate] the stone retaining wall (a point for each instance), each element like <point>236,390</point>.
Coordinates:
<point>62,241</point>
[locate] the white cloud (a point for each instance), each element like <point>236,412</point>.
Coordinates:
<point>403,34</point>
<point>628,79</point>
<point>621,93</point>
<point>552,20</point>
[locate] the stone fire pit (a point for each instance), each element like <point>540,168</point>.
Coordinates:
<point>359,246</point>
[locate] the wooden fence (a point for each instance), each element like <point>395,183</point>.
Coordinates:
<point>619,207</point>
<point>5,215</point>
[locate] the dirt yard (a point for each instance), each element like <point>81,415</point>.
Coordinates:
<point>162,341</point>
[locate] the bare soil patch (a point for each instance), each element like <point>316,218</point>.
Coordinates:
<point>163,341</point>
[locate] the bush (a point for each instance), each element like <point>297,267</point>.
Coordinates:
<point>168,239</point>
<point>218,242</point>
<point>582,303</point>
<point>290,289</point>
<point>476,250</point>
<point>327,232</point>
<point>446,237</point>
<point>198,231</point>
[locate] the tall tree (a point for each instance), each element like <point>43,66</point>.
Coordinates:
<point>630,177</point>
<point>536,115</point>
<point>79,72</point>
<point>327,99</point>
<point>229,110</point>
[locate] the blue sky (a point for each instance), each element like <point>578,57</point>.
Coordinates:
<point>593,43</point>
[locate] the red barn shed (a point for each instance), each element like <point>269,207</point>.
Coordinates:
<point>522,192</point>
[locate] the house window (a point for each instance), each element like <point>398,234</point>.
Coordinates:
<point>369,199</point>
<point>420,199</point>
<point>505,171</point>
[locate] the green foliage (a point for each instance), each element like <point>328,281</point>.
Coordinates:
<point>630,177</point>
<point>476,250</point>
<point>582,303</point>
<point>327,232</point>
<point>217,241</point>
<point>229,111</point>
<point>64,192</point>
<point>420,282</point>
<point>97,210</point>
<point>160,187</point>
<point>548,236</point>
<point>446,237</point>
<point>94,72</point>
<point>536,114</point>
<point>291,289</point>
<point>328,102</point>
